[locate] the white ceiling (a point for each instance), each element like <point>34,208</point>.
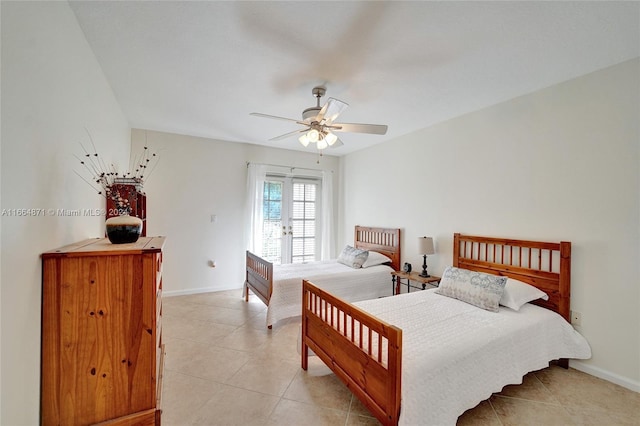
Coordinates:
<point>200,68</point>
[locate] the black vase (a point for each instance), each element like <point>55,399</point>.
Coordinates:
<point>123,229</point>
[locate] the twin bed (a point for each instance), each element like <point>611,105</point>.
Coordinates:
<point>423,358</point>
<point>280,286</point>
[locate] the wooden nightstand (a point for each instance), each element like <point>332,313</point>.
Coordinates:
<point>398,276</point>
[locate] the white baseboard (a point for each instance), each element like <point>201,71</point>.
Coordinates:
<point>625,382</point>
<point>198,291</point>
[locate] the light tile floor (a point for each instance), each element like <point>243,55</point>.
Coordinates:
<point>224,367</point>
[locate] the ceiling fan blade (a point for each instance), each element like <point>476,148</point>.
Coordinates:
<point>338,143</point>
<point>286,135</point>
<point>376,129</point>
<point>331,110</point>
<point>259,114</point>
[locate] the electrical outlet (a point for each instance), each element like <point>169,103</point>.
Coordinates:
<point>576,318</point>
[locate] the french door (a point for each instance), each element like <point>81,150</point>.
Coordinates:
<point>290,222</point>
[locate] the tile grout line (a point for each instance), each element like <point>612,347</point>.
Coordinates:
<point>346,421</point>
<point>515,398</point>
<point>495,413</point>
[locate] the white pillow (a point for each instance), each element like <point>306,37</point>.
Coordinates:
<point>516,293</point>
<point>375,258</point>
<point>476,288</point>
<point>353,257</point>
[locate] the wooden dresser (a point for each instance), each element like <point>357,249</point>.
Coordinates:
<point>102,349</point>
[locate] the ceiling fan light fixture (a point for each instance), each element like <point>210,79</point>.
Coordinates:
<point>319,121</point>
<point>330,138</point>
<point>322,144</point>
<point>304,140</point>
<point>313,135</point>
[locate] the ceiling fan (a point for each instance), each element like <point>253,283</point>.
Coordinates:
<point>320,126</point>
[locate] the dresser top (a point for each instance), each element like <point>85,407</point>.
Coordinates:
<point>104,247</point>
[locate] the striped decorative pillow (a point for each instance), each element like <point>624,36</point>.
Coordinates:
<point>476,288</point>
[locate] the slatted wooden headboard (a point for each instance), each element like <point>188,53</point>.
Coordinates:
<point>542,264</point>
<point>382,240</point>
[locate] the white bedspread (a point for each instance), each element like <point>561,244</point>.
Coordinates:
<point>340,280</point>
<point>456,355</point>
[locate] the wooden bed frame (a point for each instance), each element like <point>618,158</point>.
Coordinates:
<point>259,272</point>
<point>333,329</point>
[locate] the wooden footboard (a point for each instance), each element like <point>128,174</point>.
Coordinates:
<point>259,277</point>
<point>363,351</point>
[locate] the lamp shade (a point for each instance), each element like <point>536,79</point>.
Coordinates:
<point>322,144</point>
<point>425,245</point>
<point>313,135</point>
<point>304,140</point>
<point>330,138</point>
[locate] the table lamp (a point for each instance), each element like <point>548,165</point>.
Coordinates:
<point>425,247</point>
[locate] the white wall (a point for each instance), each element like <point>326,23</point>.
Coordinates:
<point>558,164</point>
<point>52,89</point>
<point>194,179</point>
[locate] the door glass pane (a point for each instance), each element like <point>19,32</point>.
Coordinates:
<point>310,229</point>
<point>310,243</point>
<point>310,192</point>
<point>310,210</point>
<point>272,226</point>
<point>303,222</point>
